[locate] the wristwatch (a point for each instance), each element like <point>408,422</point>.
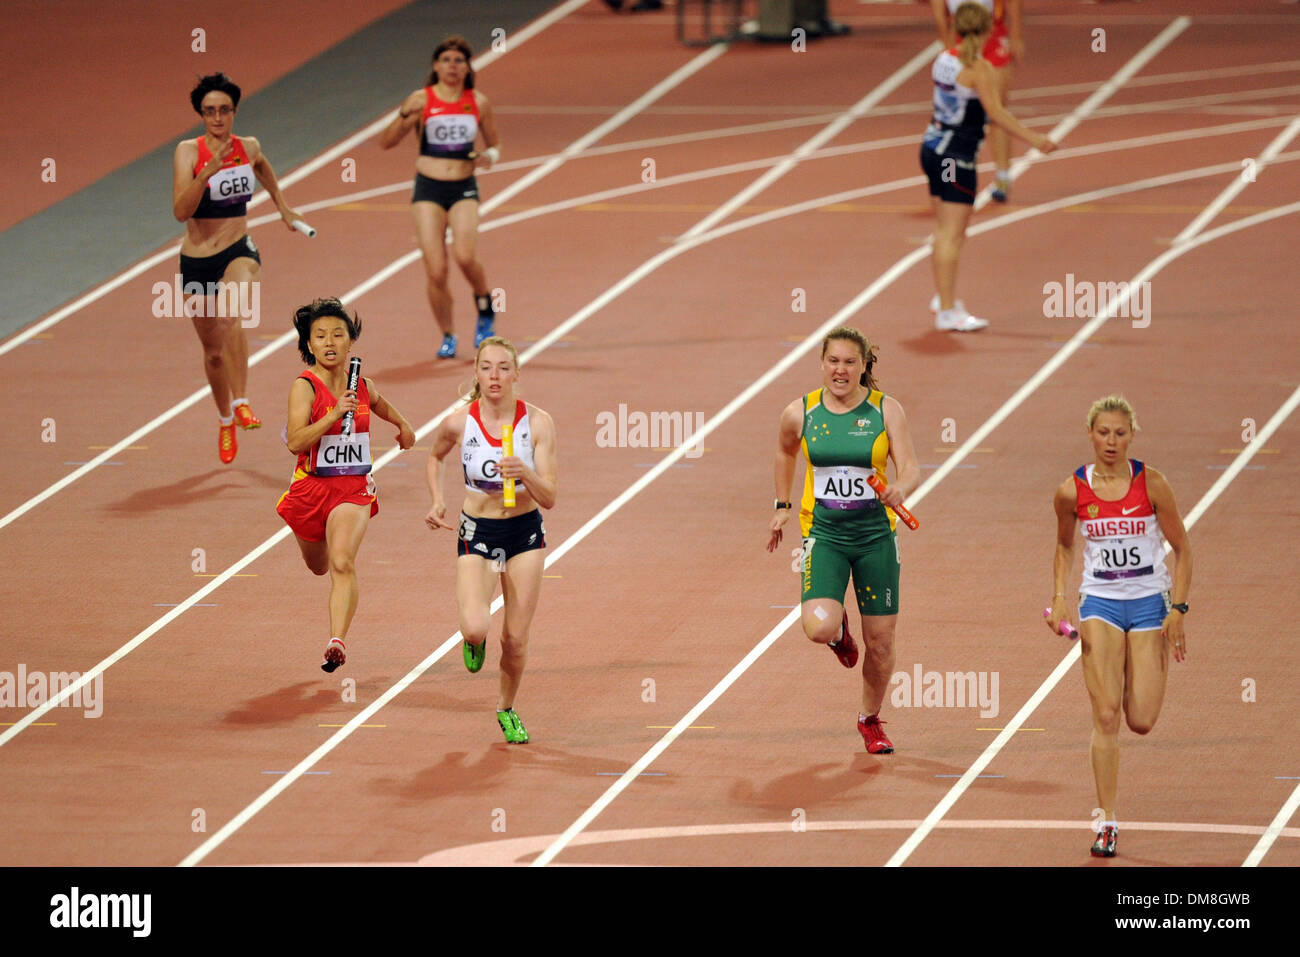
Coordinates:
<point>781,504</point>
<point>1180,606</point>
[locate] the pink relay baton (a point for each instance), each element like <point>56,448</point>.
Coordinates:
<point>1063,626</point>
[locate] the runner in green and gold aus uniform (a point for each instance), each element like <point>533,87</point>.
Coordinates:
<point>845,527</point>
<point>848,430</point>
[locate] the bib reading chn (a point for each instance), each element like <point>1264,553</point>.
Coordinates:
<point>344,454</point>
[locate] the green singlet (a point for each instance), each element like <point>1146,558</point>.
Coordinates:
<point>845,528</point>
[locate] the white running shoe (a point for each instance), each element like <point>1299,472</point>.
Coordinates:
<point>934,304</point>
<point>958,320</point>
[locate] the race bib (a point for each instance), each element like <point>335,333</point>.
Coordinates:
<point>1122,556</point>
<point>451,132</point>
<point>343,454</point>
<point>842,483</point>
<point>231,185</point>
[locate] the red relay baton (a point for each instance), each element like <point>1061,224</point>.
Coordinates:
<point>877,486</point>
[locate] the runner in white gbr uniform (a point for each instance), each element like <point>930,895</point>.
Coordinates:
<point>496,540</point>
<point>1131,611</point>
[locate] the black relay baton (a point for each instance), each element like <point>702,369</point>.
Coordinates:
<point>354,377</point>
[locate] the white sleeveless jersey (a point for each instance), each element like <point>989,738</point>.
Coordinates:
<point>480,454</point>
<point>1123,554</point>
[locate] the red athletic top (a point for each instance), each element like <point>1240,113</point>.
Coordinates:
<point>230,188</point>
<point>337,456</point>
<point>450,129</point>
<point>1123,553</point>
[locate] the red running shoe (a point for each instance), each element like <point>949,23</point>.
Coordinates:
<point>226,444</point>
<point>244,416</point>
<point>335,655</point>
<point>1107,838</point>
<point>873,735</point>
<point>846,649</point>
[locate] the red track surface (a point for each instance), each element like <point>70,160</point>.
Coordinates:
<point>674,587</point>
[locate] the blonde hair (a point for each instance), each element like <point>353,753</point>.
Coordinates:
<point>1113,403</point>
<point>971,21</point>
<point>865,346</point>
<point>491,341</point>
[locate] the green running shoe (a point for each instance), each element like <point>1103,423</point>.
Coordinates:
<point>513,728</point>
<point>474,655</point>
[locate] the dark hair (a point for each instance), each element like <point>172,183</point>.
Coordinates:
<point>213,81</point>
<point>319,309</point>
<point>453,43</point>
<point>865,346</point>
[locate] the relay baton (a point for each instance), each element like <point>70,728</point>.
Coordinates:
<point>908,518</point>
<point>508,448</point>
<point>303,228</point>
<point>1063,626</point>
<point>354,377</point>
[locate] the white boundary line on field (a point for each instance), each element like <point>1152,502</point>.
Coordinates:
<point>370,710</point>
<point>522,35</point>
<point>983,761</point>
<point>646,269</point>
<point>757,651</point>
<point>664,86</point>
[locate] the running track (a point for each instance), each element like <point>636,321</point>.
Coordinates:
<point>677,295</point>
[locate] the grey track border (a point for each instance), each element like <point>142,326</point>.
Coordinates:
<point>53,257</point>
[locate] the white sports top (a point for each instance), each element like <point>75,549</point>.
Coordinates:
<point>480,454</point>
<point>1123,552</point>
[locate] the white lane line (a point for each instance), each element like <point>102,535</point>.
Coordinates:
<point>1278,824</point>
<point>663,182</point>
<point>971,443</point>
<point>524,34</point>
<point>1247,176</point>
<point>632,109</point>
<point>1202,506</point>
<point>677,77</point>
<point>729,229</point>
<point>482,60</point>
<point>1094,102</point>
<point>258,804</point>
<point>407,259</point>
<point>859,109</point>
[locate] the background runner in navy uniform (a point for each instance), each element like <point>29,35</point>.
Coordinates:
<point>448,115</point>
<point>1129,620</point>
<point>847,430</point>
<point>212,181</point>
<point>965,96</point>
<point>496,541</point>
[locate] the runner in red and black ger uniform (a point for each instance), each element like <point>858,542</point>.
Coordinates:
<point>448,115</point>
<point>212,181</point>
<point>332,496</point>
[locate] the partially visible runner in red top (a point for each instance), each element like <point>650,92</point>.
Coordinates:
<point>448,115</point>
<point>332,496</point>
<point>1005,46</point>
<point>212,182</point>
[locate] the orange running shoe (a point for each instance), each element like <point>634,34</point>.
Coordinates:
<point>244,416</point>
<point>334,655</point>
<point>226,444</point>
<point>873,735</point>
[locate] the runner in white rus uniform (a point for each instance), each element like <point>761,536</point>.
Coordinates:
<point>1132,609</point>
